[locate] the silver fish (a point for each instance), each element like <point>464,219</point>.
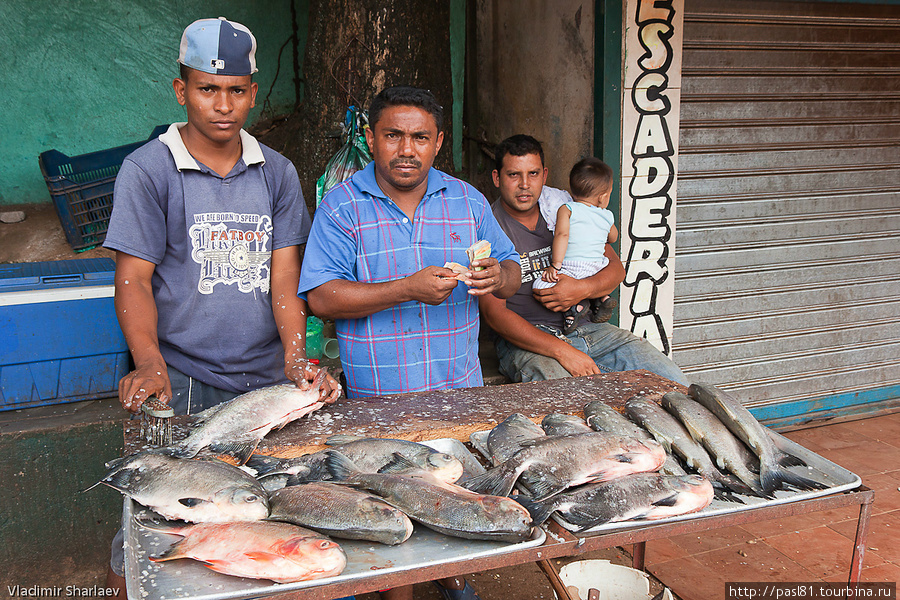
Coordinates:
<point>368,454</point>
<point>236,427</point>
<point>340,511</point>
<point>444,507</point>
<point>199,491</point>
<point>603,417</point>
<point>560,424</point>
<point>281,552</point>
<point>647,496</point>
<point>729,452</point>
<point>669,432</point>
<point>745,426</point>
<point>507,437</point>
<point>556,463</point>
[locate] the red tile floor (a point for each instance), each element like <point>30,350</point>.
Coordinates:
<point>805,548</point>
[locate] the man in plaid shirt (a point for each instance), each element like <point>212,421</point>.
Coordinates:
<point>375,255</point>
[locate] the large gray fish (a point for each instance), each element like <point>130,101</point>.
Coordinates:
<point>340,511</point>
<point>603,417</point>
<point>560,424</point>
<point>556,463</point>
<point>507,437</point>
<point>647,496</point>
<point>368,454</point>
<point>199,491</point>
<point>281,552</point>
<point>745,426</point>
<point>444,507</point>
<point>668,431</point>
<point>729,452</point>
<point>236,427</point>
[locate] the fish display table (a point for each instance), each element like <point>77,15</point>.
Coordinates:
<point>456,415</point>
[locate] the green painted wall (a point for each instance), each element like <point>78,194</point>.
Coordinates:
<point>52,533</point>
<point>86,75</point>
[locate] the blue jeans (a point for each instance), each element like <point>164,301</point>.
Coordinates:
<point>611,348</point>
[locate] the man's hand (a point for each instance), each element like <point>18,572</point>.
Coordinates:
<point>432,285</point>
<point>302,373</point>
<point>486,281</point>
<point>576,362</point>
<point>140,384</point>
<point>564,295</point>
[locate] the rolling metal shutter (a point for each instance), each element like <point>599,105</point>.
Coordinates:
<point>788,234</point>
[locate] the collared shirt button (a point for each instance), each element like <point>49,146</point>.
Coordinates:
<point>405,220</point>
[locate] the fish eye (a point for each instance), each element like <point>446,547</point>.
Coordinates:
<point>324,544</point>
<point>251,498</point>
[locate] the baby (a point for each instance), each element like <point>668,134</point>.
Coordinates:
<point>583,228</point>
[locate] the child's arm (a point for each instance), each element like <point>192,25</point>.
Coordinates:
<point>560,237</point>
<point>613,235</point>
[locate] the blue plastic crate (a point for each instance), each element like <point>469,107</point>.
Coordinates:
<point>59,337</point>
<point>82,189</point>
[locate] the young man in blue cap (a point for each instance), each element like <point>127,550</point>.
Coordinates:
<point>206,226</point>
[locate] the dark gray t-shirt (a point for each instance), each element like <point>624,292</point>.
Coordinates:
<point>534,256</point>
<point>211,239</point>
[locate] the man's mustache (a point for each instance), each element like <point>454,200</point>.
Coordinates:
<point>405,162</point>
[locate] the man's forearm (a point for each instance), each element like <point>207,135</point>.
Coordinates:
<point>342,299</point>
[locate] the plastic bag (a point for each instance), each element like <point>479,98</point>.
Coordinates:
<point>353,155</point>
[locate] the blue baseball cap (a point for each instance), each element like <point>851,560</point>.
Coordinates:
<point>218,46</point>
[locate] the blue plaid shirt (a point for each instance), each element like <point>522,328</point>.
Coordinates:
<point>359,234</point>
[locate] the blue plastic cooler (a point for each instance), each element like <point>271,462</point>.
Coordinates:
<point>59,337</point>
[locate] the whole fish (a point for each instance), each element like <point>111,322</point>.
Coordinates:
<point>236,427</point>
<point>444,507</point>
<point>281,552</point>
<point>639,496</point>
<point>199,491</point>
<point>340,511</point>
<point>507,437</point>
<point>560,424</point>
<point>668,431</point>
<point>603,417</point>
<point>368,454</point>
<point>744,425</point>
<point>556,463</point>
<point>729,452</point>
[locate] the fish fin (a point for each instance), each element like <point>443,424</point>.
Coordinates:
<point>172,553</point>
<point>735,485</point>
<point>789,460</point>
<point>544,490</point>
<point>399,464</point>
<point>498,481</point>
<point>342,438</point>
<point>724,494</point>
<point>257,556</point>
<point>773,477</point>
<point>119,480</point>
<point>670,500</point>
<point>191,502</point>
<point>263,464</point>
<point>539,511</point>
<point>242,451</point>
<point>591,520</point>
<point>339,466</point>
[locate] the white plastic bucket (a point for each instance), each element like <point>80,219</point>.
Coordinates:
<point>614,582</point>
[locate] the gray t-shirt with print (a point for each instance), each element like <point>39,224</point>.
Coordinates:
<point>211,239</point>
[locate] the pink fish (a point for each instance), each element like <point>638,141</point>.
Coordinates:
<point>281,552</point>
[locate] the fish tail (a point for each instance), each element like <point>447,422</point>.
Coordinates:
<point>340,467</point>
<point>773,476</point>
<point>498,481</point>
